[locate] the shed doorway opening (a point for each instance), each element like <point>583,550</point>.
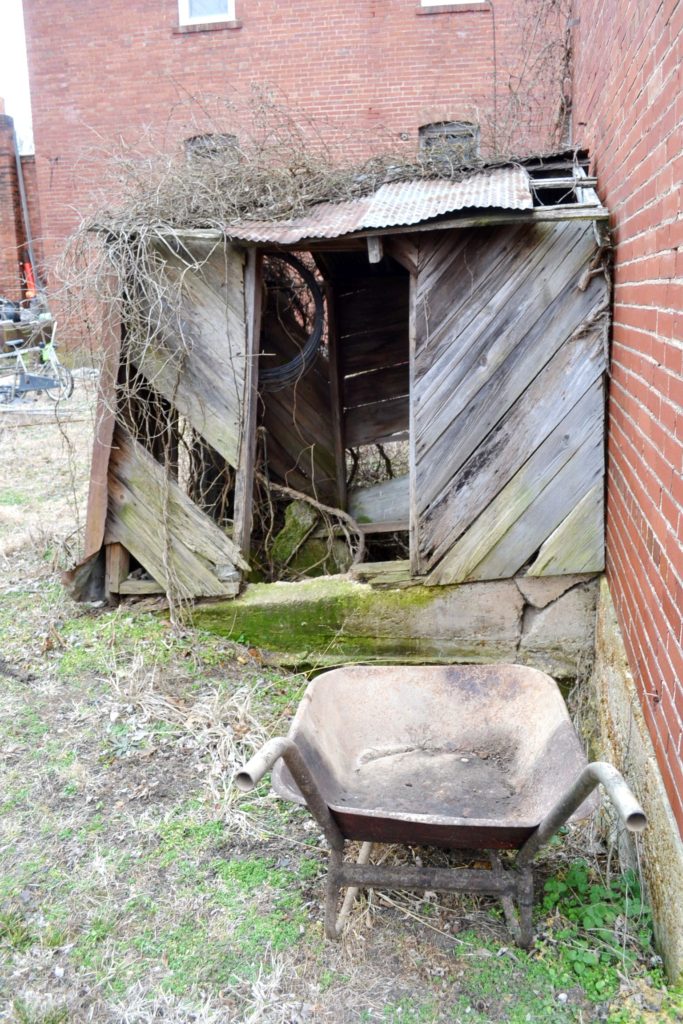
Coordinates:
<point>336,431</point>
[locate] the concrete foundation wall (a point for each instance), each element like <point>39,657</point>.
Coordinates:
<point>623,738</point>
<point>547,624</point>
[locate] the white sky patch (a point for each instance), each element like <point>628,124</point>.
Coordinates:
<point>14,87</point>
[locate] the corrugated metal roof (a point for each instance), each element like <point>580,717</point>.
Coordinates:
<point>396,204</point>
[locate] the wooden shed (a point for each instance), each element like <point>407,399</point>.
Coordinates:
<point>466,320</point>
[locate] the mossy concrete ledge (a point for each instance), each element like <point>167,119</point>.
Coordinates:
<point>335,620</point>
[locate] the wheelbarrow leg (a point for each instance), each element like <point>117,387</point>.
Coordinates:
<point>525,902</point>
<point>519,919</point>
<point>334,923</point>
<point>332,894</point>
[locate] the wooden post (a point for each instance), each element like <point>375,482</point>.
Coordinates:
<point>244,484</point>
<point>413,512</point>
<point>117,567</point>
<point>375,249</point>
<point>105,419</point>
<point>336,397</point>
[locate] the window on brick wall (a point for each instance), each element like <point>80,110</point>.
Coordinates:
<point>211,144</point>
<point>450,3</point>
<point>456,141</point>
<point>199,12</point>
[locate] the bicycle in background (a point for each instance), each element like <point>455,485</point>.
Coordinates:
<point>25,368</point>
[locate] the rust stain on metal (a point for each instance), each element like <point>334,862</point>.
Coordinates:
<point>396,204</point>
<point>449,753</point>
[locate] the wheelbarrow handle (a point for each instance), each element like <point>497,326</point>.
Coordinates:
<point>594,774</point>
<point>262,762</point>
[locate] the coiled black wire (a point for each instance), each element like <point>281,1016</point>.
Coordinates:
<point>275,378</point>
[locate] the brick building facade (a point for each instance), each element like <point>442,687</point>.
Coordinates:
<point>369,72</point>
<point>628,108</point>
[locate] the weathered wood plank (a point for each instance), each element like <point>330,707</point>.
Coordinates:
<point>363,388</point>
<point>452,265</point>
<point>415,526</point>
<point>140,587</point>
<point>375,249</point>
<point>536,321</point>
<point>583,471</point>
<point>297,441</point>
<point>449,440</point>
<point>384,574</point>
<point>178,570</point>
<point>146,480</point>
<point>209,282</point>
<point>577,541</point>
<point>390,526</point>
<point>377,423</point>
<point>581,426</point>
<point>244,482</point>
<point>105,418</point>
<point>374,349</point>
<point>449,298</point>
<point>117,567</point>
<point>200,365</point>
<point>370,300</point>
<point>546,401</point>
<point>336,399</point>
<point>139,525</point>
<point>452,330</point>
<point>404,250</point>
<point>384,502</point>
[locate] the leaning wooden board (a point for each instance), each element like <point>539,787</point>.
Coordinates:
<point>177,543</point>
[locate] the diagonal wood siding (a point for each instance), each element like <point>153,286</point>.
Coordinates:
<point>507,403</point>
<point>180,546</point>
<point>200,367</point>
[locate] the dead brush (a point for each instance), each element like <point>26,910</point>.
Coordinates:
<point>220,725</point>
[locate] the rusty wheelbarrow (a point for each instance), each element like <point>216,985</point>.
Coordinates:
<point>469,757</point>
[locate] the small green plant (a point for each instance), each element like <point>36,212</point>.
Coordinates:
<point>14,931</point>
<point>22,1013</point>
<point>586,914</point>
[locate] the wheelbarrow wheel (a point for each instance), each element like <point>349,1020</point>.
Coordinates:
<point>66,384</point>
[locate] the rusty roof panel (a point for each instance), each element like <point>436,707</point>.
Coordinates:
<point>394,205</point>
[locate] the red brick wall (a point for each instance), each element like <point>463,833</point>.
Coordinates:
<point>628,107</point>
<point>374,69</point>
<point>10,222</point>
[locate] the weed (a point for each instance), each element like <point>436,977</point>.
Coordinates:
<point>14,931</point>
<point>25,1014</point>
<point>88,948</point>
<point>587,914</point>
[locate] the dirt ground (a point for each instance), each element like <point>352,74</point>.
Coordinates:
<point>137,886</point>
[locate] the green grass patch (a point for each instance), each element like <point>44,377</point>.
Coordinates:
<point>12,497</point>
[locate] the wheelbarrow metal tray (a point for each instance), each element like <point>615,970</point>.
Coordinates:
<point>469,757</point>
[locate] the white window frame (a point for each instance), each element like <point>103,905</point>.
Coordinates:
<point>184,17</point>
<point>451,3</point>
